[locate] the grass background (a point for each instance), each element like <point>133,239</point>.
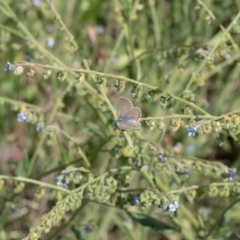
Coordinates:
<point>170,45</point>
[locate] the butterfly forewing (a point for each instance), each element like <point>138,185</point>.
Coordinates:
<point>134,114</point>
<point>123,107</point>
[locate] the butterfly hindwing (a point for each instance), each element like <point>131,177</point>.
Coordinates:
<point>128,125</point>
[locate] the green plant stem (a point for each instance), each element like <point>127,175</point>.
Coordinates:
<point>77,70</point>
<point>221,65</point>
<point>11,30</point>
<point>39,183</point>
<point>212,228</point>
<point>110,76</point>
<point>189,215</point>
<point>85,63</point>
<point>194,187</point>
<point>80,151</point>
<point>221,26</point>
<point>156,25</point>
<point>65,225</point>
<point>53,58</point>
<point>114,51</point>
<point>191,116</point>
<point>59,19</point>
<point>83,186</point>
<point>211,52</point>
<point>35,108</point>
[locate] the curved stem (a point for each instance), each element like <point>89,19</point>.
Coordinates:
<point>221,216</point>
<point>39,183</point>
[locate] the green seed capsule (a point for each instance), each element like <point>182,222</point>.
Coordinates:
<point>46,73</point>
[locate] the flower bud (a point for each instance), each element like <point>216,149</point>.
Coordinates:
<point>80,78</point>
<point>46,73</point>
<point>31,73</point>
<point>150,124</point>
<point>120,85</point>
<point>61,76</point>
<point>137,91</point>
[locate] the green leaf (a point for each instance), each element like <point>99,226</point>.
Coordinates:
<point>76,233</point>
<point>148,221</point>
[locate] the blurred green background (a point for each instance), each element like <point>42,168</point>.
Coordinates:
<point>189,49</point>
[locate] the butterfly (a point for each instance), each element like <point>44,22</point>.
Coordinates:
<point>128,116</point>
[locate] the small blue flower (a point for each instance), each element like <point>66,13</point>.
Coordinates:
<point>29,58</point>
<point>115,61</point>
<point>232,175</point>
<point>58,180</point>
<point>125,223</point>
<point>135,201</point>
<point>39,126</point>
<point>36,3</point>
<point>227,55</point>
<point>21,117</point>
<point>188,173</point>
<point>10,67</point>
<point>207,104</point>
<point>161,158</point>
<point>212,57</point>
<point>15,212</point>
<point>192,131</point>
<point>62,181</point>
<point>179,144</point>
<point>191,148</point>
<point>205,213</point>
<point>87,229</point>
<point>49,28</point>
<point>50,42</point>
<point>173,207</point>
<point>100,30</point>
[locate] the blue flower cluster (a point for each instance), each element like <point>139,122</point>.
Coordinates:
<point>62,181</point>
<point>39,126</point>
<point>100,30</point>
<point>21,117</point>
<point>192,131</point>
<point>232,175</point>
<point>50,42</point>
<point>135,201</point>
<point>161,158</point>
<point>87,229</point>
<point>10,67</point>
<point>173,207</point>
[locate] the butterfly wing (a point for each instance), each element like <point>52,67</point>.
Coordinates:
<point>123,107</point>
<point>134,114</point>
<point>128,116</point>
<point>128,125</point>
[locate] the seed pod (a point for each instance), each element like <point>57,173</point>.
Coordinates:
<point>165,102</point>
<point>80,78</point>
<point>153,95</point>
<point>61,76</point>
<point>31,73</point>
<point>101,83</point>
<point>120,85</point>
<point>150,124</point>
<point>137,91</point>
<point>46,73</point>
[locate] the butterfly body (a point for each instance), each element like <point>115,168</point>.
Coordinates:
<point>128,116</point>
